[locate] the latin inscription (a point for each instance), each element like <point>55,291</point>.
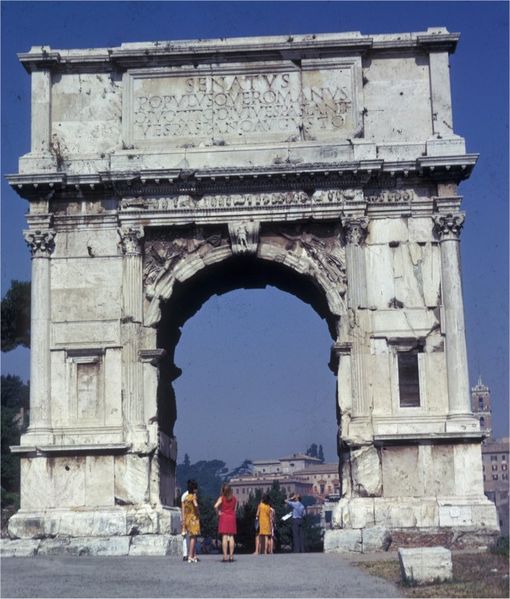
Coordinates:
<point>304,104</point>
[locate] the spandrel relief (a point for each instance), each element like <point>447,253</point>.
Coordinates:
<point>320,246</point>
<point>164,250</point>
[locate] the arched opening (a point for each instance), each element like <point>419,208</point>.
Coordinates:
<point>234,273</point>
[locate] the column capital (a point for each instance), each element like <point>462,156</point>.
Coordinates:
<point>448,226</point>
<point>131,238</point>
<point>355,229</point>
<point>40,241</point>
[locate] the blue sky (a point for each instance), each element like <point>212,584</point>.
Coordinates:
<point>247,368</point>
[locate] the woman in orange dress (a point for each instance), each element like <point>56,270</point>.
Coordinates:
<point>264,516</point>
<point>190,520</point>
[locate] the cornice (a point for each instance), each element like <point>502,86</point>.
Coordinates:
<point>289,47</point>
<point>37,186</point>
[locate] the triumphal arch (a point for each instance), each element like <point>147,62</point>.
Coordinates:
<point>161,173</point>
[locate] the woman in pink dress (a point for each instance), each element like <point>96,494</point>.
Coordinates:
<point>225,507</point>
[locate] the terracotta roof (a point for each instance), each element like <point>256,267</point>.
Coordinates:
<point>318,468</point>
<point>299,456</point>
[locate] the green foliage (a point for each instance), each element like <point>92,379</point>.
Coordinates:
<point>283,530</point>
<point>16,316</point>
<point>316,452</point>
<point>208,517</point>
<point>14,397</point>
<point>246,523</point>
<point>312,451</point>
<point>313,533</point>
<point>208,474</point>
<point>500,547</point>
<point>245,469</point>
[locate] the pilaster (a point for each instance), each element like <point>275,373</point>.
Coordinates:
<point>41,111</point>
<point>131,240</point>
<point>355,231</point>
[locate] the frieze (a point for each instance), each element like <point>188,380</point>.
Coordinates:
<point>242,201</point>
<point>389,196</point>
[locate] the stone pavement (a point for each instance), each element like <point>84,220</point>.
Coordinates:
<point>281,575</point>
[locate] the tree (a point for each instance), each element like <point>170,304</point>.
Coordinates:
<point>245,469</point>
<point>246,522</point>
<point>312,450</point>
<point>208,517</point>
<point>283,529</point>
<point>16,316</point>
<point>15,401</point>
<point>209,475</point>
<point>320,455</point>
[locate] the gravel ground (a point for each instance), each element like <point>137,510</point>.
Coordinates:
<point>280,575</point>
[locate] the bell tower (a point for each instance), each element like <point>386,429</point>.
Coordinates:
<point>482,408</point>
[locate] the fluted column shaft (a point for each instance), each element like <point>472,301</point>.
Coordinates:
<point>355,233</point>
<point>41,243</point>
<point>132,302</point>
<point>448,229</point>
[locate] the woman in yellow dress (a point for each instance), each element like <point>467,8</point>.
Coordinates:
<point>264,516</point>
<point>190,520</point>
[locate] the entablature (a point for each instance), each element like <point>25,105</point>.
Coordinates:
<point>362,173</point>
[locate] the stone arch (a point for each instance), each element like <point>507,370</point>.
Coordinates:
<point>309,267</point>
<point>323,266</point>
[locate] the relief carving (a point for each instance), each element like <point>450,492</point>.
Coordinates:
<point>235,201</point>
<point>386,196</point>
<point>337,196</point>
<point>131,239</point>
<point>355,230</point>
<point>448,226</point>
<point>163,254</point>
<point>41,243</point>
<point>325,254</point>
<point>244,237</point>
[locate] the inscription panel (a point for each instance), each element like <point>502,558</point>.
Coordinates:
<point>242,105</point>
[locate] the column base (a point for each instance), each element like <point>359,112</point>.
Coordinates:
<point>461,423</point>
<point>359,432</point>
<point>116,530</point>
<point>37,436</point>
<point>365,524</point>
<point>95,522</point>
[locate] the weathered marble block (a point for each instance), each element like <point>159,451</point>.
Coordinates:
<point>424,565</point>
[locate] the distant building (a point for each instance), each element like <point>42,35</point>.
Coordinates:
<point>495,455</point>
<point>297,473</point>
<point>244,485</point>
<point>324,479</point>
<point>286,465</point>
<point>481,406</point>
